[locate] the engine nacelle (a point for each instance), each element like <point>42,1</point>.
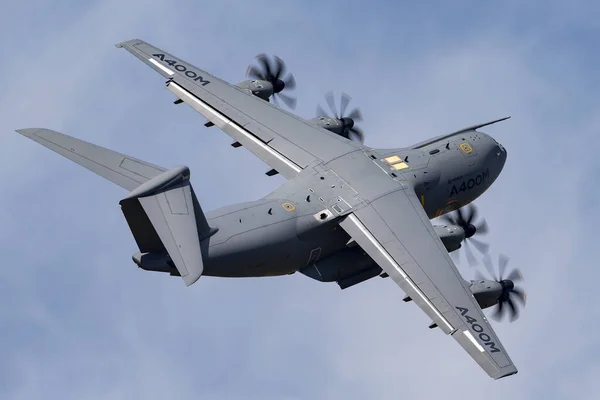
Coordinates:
<point>259,88</point>
<point>331,124</point>
<point>486,293</point>
<point>451,235</point>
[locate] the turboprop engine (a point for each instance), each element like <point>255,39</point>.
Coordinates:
<point>501,291</point>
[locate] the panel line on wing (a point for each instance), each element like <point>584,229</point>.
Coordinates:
<point>183,94</point>
<point>389,258</point>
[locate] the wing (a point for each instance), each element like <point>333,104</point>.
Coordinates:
<point>125,171</point>
<point>284,141</point>
<point>395,231</point>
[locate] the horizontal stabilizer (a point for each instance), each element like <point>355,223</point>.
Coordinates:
<point>161,209</point>
<point>125,171</point>
<point>169,203</point>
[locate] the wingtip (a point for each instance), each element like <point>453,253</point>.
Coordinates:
<point>193,276</point>
<point>28,131</point>
<point>126,42</point>
<point>512,372</point>
<point>189,280</point>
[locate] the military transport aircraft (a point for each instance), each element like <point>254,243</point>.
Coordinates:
<point>347,212</point>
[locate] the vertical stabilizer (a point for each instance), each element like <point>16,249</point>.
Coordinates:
<point>171,209</point>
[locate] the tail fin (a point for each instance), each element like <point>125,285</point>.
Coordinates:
<point>162,210</point>
<point>167,204</point>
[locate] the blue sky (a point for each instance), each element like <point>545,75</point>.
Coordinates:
<point>79,320</point>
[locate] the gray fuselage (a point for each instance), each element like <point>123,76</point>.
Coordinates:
<point>294,227</point>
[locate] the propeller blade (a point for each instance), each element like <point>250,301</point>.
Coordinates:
<point>289,101</point>
<point>483,228</point>
<point>479,276</point>
<point>264,62</point>
<point>487,262</point>
<point>357,133</point>
<point>498,312</point>
<point>479,245</point>
<point>290,82</point>
<point>321,112</point>
<point>455,257</point>
<point>448,219</point>
<point>460,220</point>
<point>502,262</point>
<point>331,102</point>
<point>345,101</point>
<point>279,68</point>
<point>254,72</point>
<point>515,275</point>
<point>472,213</point>
<point>520,295</point>
<point>470,257</point>
<point>356,115</point>
<point>514,310</point>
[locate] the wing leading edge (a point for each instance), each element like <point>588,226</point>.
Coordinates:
<point>284,141</point>
<point>395,231</point>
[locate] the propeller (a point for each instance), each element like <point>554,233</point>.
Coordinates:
<point>349,131</point>
<point>273,71</point>
<point>510,292</point>
<point>468,224</point>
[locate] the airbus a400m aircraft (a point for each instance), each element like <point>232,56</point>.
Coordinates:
<point>347,212</point>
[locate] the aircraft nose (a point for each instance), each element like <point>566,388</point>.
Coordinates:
<point>497,150</point>
<point>501,153</point>
<point>495,153</point>
<point>502,149</point>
